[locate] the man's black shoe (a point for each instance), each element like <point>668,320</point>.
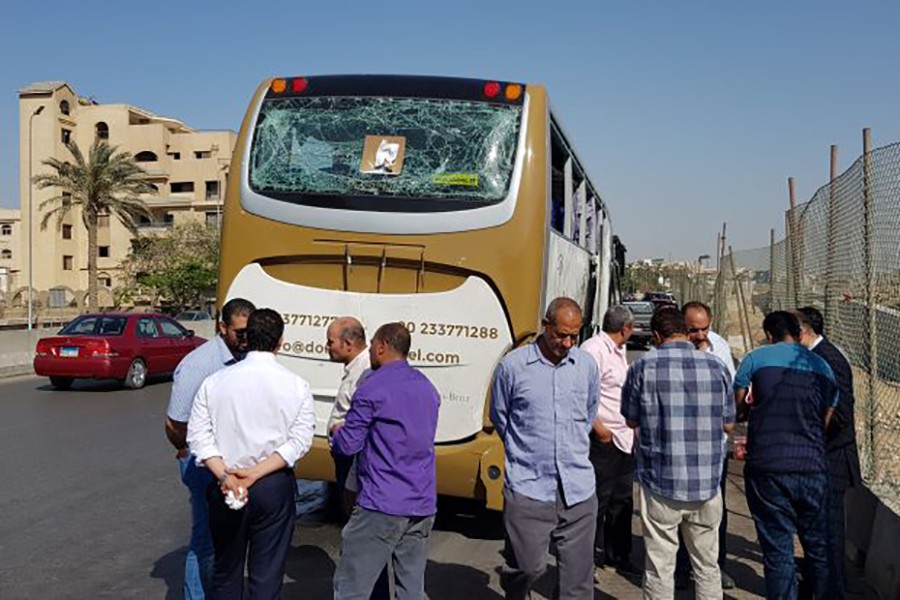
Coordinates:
<point>727,581</point>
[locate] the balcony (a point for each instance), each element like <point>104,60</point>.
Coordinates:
<point>156,226</point>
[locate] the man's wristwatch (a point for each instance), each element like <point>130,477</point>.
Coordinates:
<point>223,478</point>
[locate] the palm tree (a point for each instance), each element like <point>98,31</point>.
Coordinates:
<point>108,183</point>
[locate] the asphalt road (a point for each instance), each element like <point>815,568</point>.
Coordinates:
<point>92,507</point>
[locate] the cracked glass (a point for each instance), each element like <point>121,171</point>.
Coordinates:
<point>454,149</point>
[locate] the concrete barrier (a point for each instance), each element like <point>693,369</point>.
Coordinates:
<point>17,350</point>
<point>17,346</point>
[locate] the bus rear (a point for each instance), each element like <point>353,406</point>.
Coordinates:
<point>396,199</point>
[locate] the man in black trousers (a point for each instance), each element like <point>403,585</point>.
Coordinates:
<point>841,453</point>
<point>249,424</point>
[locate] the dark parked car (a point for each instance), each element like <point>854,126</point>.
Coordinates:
<point>643,312</point>
<point>124,346</point>
<point>660,299</point>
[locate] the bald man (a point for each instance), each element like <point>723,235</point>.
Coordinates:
<point>346,344</point>
<point>543,403</point>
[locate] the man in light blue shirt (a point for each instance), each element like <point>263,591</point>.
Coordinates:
<point>224,349</point>
<point>544,400</point>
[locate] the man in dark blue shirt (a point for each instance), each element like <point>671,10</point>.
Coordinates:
<point>841,453</point>
<point>794,395</point>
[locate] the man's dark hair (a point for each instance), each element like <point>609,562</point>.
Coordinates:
<point>813,318</point>
<point>264,329</point>
<point>353,332</point>
<point>781,324</point>
<point>696,305</point>
<point>668,321</point>
<point>236,307</point>
<point>617,318</point>
<point>396,336</point>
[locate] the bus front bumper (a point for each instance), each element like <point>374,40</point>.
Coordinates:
<point>471,469</point>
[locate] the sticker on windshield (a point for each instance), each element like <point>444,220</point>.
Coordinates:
<point>383,155</point>
<point>464,179</point>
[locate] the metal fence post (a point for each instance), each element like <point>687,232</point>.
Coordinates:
<point>743,309</point>
<point>796,244</point>
<point>871,299</point>
<point>771,270</point>
<point>831,279</point>
<point>789,288</point>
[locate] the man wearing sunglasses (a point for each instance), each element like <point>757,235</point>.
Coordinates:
<point>544,400</point>
<point>227,348</point>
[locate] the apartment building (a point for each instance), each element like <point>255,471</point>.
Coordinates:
<point>188,168</point>
<point>10,250</point>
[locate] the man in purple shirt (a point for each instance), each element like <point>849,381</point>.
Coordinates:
<point>390,426</point>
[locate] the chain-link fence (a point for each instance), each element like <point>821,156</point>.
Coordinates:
<point>841,254</point>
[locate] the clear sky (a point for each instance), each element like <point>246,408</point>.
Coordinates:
<point>686,113</point>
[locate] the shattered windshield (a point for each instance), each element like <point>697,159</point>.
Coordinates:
<point>397,147</point>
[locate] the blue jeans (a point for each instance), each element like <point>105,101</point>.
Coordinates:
<point>783,504</point>
<point>198,564</point>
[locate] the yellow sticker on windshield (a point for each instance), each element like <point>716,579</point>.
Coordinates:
<point>465,179</point>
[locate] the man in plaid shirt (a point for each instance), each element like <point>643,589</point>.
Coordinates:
<point>679,400</point>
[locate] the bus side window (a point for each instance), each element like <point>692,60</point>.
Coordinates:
<point>559,156</point>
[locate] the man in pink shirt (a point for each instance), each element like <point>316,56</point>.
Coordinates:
<point>611,444</point>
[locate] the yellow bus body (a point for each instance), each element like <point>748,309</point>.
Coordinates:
<point>510,258</point>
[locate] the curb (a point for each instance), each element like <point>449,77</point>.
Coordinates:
<point>16,371</point>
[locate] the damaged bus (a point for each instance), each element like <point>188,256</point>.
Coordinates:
<point>456,206</point>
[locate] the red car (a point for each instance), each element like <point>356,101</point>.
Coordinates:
<point>124,346</point>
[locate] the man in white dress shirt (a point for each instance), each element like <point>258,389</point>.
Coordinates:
<point>698,317</point>
<point>346,344</point>
<point>249,424</point>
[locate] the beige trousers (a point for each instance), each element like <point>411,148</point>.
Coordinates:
<point>699,524</point>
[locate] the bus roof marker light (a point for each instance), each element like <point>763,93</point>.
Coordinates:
<point>513,92</point>
<point>279,85</point>
<point>492,89</point>
<point>299,85</point>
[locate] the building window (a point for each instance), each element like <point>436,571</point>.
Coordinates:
<point>66,136</point>
<point>103,251</point>
<point>213,219</point>
<point>212,190</point>
<point>64,107</point>
<point>67,232</point>
<point>168,219</point>
<point>175,155</point>
<point>67,262</point>
<point>182,187</point>
<point>145,156</point>
<point>201,154</point>
<point>102,130</point>
<point>105,281</point>
<point>6,229</point>
<point>6,254</point>
<point>58,298</point>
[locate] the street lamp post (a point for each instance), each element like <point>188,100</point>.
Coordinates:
<point>701,289</point>
<point>36,112</point>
